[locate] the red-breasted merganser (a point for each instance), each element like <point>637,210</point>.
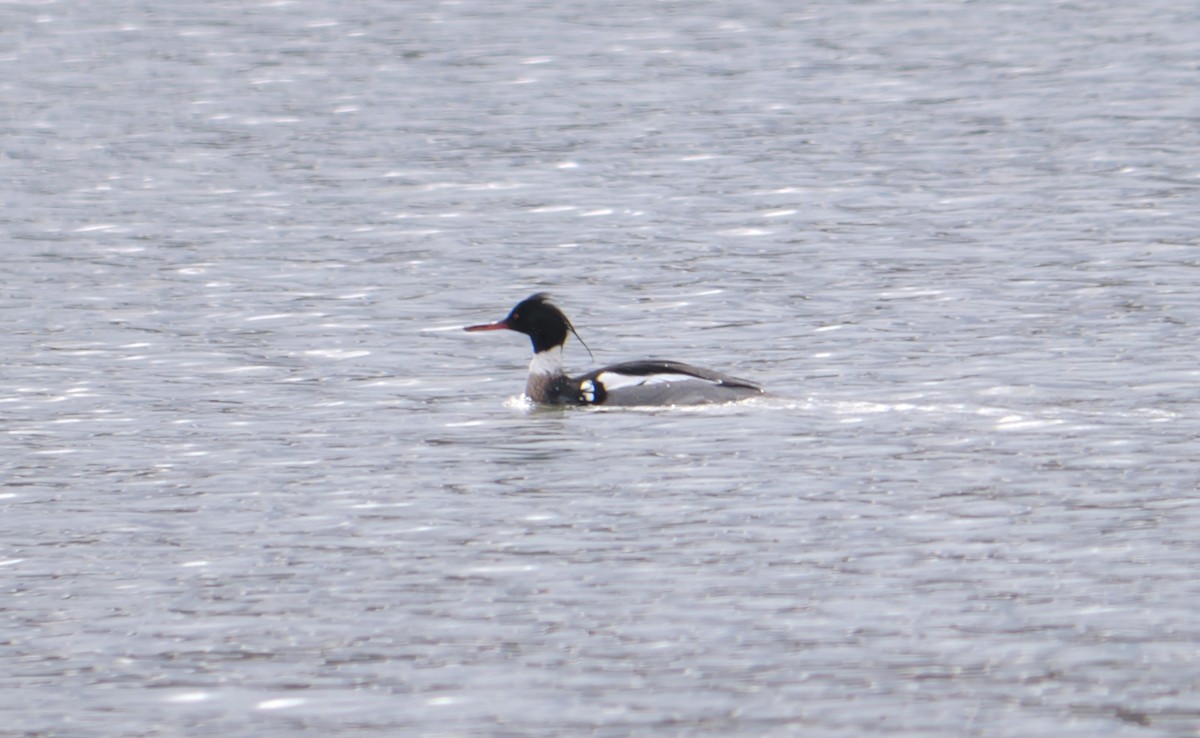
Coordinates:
<point>650,382</point>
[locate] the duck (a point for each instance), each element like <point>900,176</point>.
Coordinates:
<point>630,383</point>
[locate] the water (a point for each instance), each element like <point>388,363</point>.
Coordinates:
<point>256,482</point>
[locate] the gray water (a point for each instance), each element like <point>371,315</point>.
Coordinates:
<point>257,482</point>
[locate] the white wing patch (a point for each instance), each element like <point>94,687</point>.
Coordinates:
<point>614,381</point>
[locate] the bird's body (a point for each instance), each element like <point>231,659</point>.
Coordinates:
<point>646,382</point>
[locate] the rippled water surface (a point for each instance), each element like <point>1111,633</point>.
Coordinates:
<point>257,482</point>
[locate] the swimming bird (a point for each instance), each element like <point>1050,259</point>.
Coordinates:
<point>646,382</point>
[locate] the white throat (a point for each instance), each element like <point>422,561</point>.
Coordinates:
<point>548,362</point>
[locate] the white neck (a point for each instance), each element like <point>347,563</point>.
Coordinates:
<point>544,371</point>
<point>548,362</point>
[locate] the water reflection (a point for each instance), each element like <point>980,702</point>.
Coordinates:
<point>243,463</point>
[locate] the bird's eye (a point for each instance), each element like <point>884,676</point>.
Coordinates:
<point>516,316</point>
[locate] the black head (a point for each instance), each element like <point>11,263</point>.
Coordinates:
<point>538,318</point>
